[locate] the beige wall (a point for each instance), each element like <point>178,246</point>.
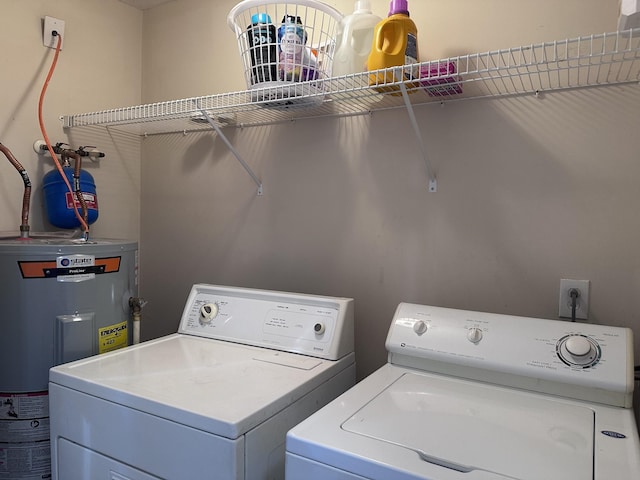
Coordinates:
<point>530,190</point>
<point>99,67</point>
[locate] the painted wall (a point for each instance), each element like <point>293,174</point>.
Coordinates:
<point>99,67</point>
<point>530,190</point>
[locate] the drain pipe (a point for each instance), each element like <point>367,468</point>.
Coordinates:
<point>26,198</point>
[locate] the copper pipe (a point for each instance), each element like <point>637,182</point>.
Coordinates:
<point>26,197</point>
<point>77,165</point>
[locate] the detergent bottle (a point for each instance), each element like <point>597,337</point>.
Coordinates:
<point>354,39</point>
<point>262,45</point>
<point>395,43</point>
<point>296,62</point>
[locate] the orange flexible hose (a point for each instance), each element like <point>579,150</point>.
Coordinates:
<point>85,225</point>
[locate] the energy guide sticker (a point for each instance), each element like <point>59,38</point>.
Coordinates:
<point>113,337</point>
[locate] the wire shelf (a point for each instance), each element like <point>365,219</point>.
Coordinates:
<point>595,60</point>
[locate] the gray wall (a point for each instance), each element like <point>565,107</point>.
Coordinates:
<point>530,190</point>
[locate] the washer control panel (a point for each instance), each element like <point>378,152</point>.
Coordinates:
<point>508,349</point>
<point>310,324</point>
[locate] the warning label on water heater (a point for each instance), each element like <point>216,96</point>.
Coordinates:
<point>24,436</point>
<point>112,337</point>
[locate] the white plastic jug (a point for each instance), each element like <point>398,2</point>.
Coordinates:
<point>354,39</point>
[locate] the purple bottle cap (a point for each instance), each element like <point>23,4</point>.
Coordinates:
<point>398,6</point>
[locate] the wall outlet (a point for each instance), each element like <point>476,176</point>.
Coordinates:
<point>582,302</point>
<point>50,24</point>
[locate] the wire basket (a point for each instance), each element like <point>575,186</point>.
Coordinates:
<point>285,48</point>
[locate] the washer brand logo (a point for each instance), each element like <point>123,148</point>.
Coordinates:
<point>611,434</point>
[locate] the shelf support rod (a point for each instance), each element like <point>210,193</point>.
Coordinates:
<point>433,183</point>
<point>232,149</point>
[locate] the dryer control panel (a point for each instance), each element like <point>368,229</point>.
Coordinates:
<point>299,323</point>
<point>578,360</point>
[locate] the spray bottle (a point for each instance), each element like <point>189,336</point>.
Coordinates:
<point>395,43</point>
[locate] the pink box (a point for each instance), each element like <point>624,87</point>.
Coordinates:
<point>438,79</point>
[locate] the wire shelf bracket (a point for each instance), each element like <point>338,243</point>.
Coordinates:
<point>231,148</point>
<point>433,183</point>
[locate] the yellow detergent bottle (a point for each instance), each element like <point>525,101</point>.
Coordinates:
<point>395,43</point>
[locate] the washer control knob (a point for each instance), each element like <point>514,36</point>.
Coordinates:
<point>420,327</point>
<point>208,312</point>
<point>319,328</point>
<point>474,334</point>
<point>578,345</point>
<point>578,350</point>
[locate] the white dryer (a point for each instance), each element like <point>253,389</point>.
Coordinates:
<point>212,401</point>
<point>478,396</point>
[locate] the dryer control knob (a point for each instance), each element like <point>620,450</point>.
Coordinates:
<point>578,345</point>
<point>208,312</point>
<point>474,335</point>
<point>319,328</point>
<point>420,327</point>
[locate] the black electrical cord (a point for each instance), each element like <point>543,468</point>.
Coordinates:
<point>574,294</point>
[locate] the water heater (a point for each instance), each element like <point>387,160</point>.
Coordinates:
<point>60,300</point>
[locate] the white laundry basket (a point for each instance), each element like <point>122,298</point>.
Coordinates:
<point>285,48</point>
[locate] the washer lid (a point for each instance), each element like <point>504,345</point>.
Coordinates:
<point>469,427</point>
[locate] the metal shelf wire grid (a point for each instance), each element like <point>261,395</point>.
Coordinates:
<point>595,60</point>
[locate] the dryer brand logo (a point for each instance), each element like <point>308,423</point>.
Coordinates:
<point>611,434</point>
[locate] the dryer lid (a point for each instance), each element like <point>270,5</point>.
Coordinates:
<point>467,426</point>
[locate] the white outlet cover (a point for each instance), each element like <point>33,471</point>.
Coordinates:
<point>51,24</point>
<point>582,303</point>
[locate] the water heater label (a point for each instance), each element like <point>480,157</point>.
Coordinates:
<point>77,260</point>
<point>77,267</point>
<point>24,436</point>
<point>113,337</point>
<point>70,266</point>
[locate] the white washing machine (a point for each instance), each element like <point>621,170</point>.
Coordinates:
<point>477,396</point>
<point>212,401</point>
